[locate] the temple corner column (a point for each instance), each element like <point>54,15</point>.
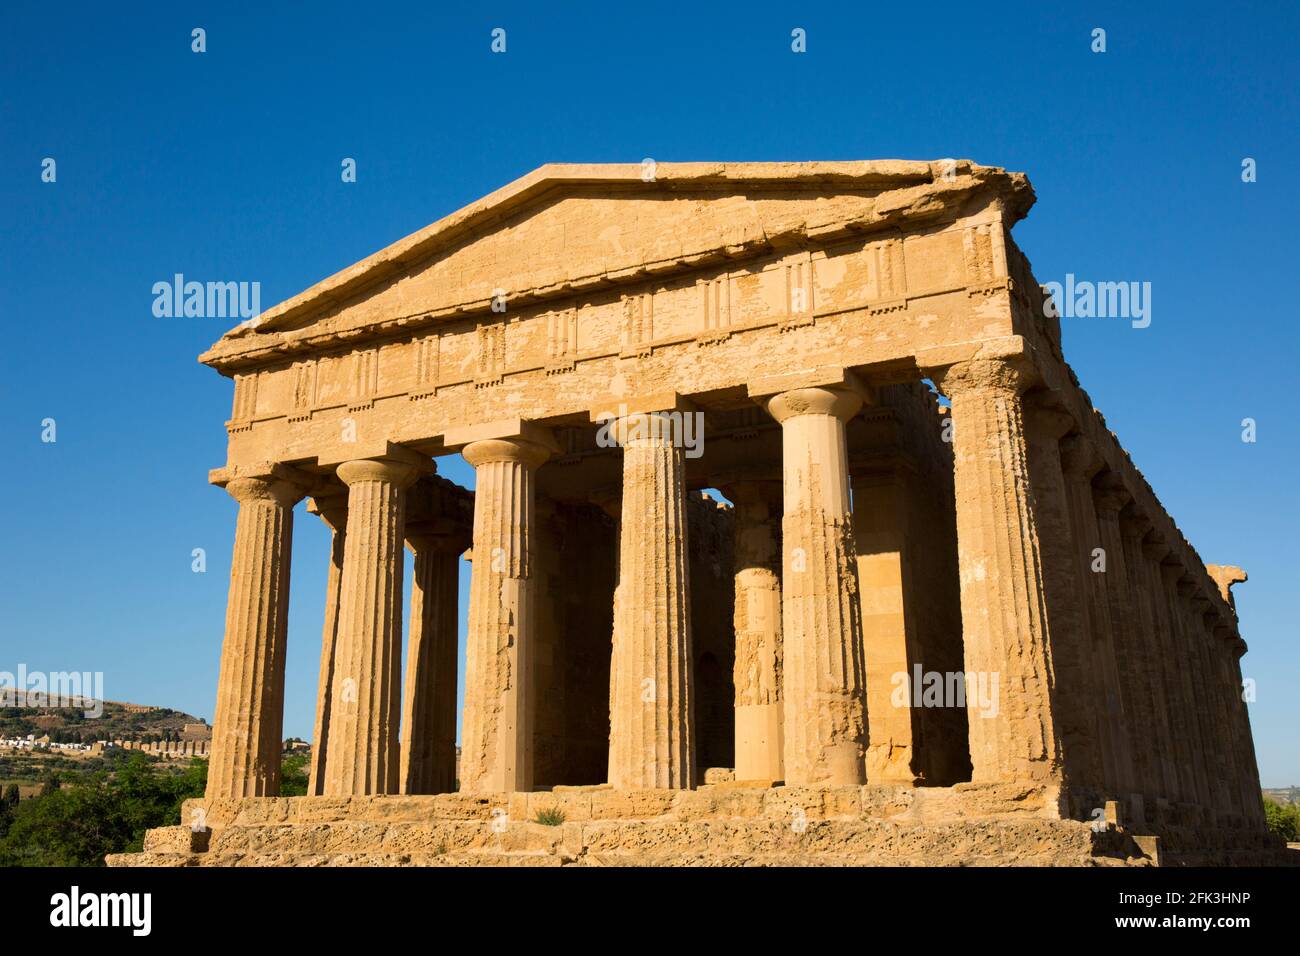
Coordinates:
<point>1002,587</point>
<point>249,717</point>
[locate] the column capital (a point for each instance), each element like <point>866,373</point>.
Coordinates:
<point>841,402</point>
<point>331,508</point>
<point>1133,523</point>
<point>1011,375</point>
<point>1047,418</point>
<point>1079,458</point>
<point>437,536</point>
<point>387,470</point>
<point>248,489</point>
<point>1155,546</point>
<point>755,491</point>
<point>1110,496</point>
<point>528,453</point>
<point>1171,570</point>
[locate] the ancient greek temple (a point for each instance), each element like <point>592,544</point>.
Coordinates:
<point>923,560</point>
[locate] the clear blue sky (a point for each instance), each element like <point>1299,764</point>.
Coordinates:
<point>225,165</point>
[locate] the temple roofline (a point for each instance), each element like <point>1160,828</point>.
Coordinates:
<point>932,177</point>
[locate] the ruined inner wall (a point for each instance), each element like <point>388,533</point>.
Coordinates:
<point>709,530</point>
<point>931,582</point>
<point>571,664</point>
<point>905,537</point>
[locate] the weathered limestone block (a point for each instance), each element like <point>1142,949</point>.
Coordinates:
<point>889,645</point>
<point>757,674</point>
<point>246,732</point>
<point>496,745</point>
<point>1002,601</point>
<point>333,510</point>
<point>363,756</point>
<point>429,697</point>
<point>651,720</point>
<point>823,673</point>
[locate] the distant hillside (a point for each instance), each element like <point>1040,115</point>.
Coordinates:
<point>71,725</point>
<point>1283,794</point>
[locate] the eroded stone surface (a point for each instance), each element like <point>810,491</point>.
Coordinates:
<point>956,625</point>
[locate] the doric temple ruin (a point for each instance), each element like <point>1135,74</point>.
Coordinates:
<point>928,611</point>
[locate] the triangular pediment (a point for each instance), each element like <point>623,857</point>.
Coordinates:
<point>568,229</point>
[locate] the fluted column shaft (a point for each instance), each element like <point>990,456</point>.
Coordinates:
<point>429,697</point>
<point>824,674</point>
<point>651,733</point>
<point>757,620</point>
<point>362,747</point>
<point>1224,693</point>
<point>1078,708</point>
<point>1248,781</point>
<point>1196,734</point>
<point>1002,602</point>
<point>1080,463</point>
<point>1204,683</point>
<point>1147,551</point>
<point>496,746</point>
<point>1180,719</point>
<point>245,760</point>
<point>1109,498</point>
<point>334,512</point>
<point>1147,653</point>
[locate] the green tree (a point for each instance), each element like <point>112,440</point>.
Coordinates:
<point>108,812</point>
<point>1283,819</point>
<point>293,776</point>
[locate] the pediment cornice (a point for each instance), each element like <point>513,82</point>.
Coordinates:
<point>828,202</point>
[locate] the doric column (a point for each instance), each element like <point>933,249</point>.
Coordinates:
<point>1224,692</point>
<point>1079,461</point>
<point>757,674</point>
<point>1194,732</point>
<point>1248,781</point>
<point>246,728</point>
<point>1109,497</point>
<point>1204,683</point>
<point>333,510</point>
<point>651,734</point>
<point>362,749</point>
<point>1146,651</point>
<point>1078,702</point>
<point>1155,548</point>
<point>1002,602</point>
<point>823,673</point>
<point>496,744</point>
<point>429,696</point>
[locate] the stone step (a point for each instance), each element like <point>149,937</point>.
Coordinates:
<point>736,841</point>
